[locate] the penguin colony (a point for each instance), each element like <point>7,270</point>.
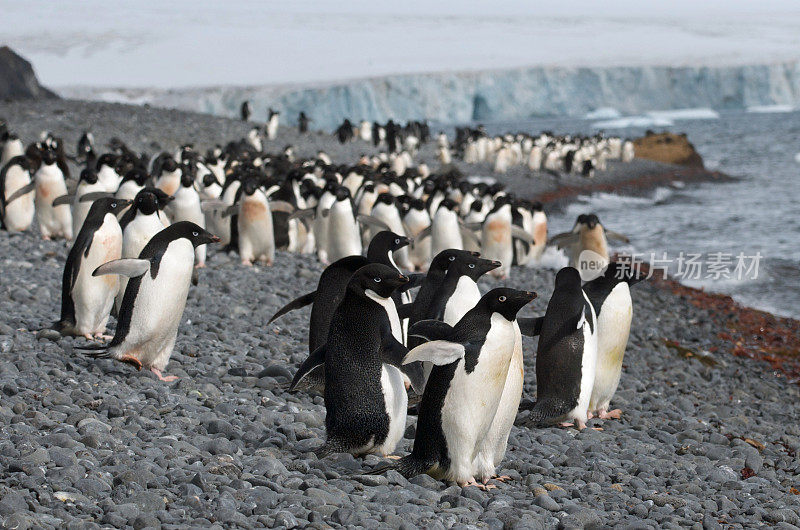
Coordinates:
<point>141,225</point>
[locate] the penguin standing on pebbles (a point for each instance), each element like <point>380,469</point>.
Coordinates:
<point>155,298</point>
<point>463,392</point>
<point>365,397</point>
<point>610,296</point>
<point>54,220</point>
<point>86,301</point>
<point>17,195</point>
<point>567,354</point>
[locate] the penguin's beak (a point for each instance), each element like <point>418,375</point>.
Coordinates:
<point>405,241</point>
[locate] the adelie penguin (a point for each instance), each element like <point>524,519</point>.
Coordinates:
<point>566,357</point>
<point>139,224</point>
<point>611,298</point>
<point>588,234</point>
<point>465,387</point>
<point>365,397</point>
<point>86,301</point>
<point>155,298</point>
<point>54,220</point>
<point>326,298</point>
<point>17,195</point>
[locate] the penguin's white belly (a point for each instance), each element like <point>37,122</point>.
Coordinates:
<point>158,308</point>
<point>473,398</point>
<point>613,328</point>
<point>256,237</point>
<point>493,446</point>
<point>344,238</point>
<point>496,245</point>
<point>396,400</point>
<point>135,237</point>
<point>463,299</point>
<point>19,214</point>
<point>52,221</point>
<point>93,296</point>
<point>445,235</point>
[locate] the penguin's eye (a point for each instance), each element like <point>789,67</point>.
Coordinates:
<point>195,234</point>
<point>452,258</point>
<point>113,205</point>
<point>377,280</point>
<point>396,241</point>
<point>471,265</point>
<point>502,298</point>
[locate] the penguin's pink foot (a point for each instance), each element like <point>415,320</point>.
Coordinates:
<point>502,478</point>
<point>393,457</point>
<point>247,263</point>
<point>88,336</point>
<point>589,415</point>
<point>610,415</point>
<point>581,425</point>
<point>167,379</point>
<point>200,266</point>
<point>566,424</point>
<point>130,359</point>
<point>484,487</point>
<point>102,336</point>
<point>46,238</point>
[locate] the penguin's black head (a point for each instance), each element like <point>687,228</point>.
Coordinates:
<point>107,205</point>
<point>137,175</point>
<point>149,200</point>
<point>386,241</point>
<point>209,180</point>
<point>449,204</point>
<point>106,159</point>
<point>250,186</point>
<point>536,206</point>
<point>416,204</point>
<point>385,198</point>
<point>473,266</point>
<point>169,165</point>
<point>342,194</point>
<point>49,157</point>
<point>568,278</point>
<point>464,186</point>
<point>506,301</point>
<point>476,206</point>
<point>88,175</point>
<point>445,258</point>
<point>590,220</point>
<point>380,279</point>
<point>198,236</point>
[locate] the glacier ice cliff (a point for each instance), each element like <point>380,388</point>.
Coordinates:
<point>503,95</point>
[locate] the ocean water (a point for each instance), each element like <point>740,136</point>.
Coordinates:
<point>756,215</point>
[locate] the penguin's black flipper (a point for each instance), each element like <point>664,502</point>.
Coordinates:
<point>431,329</point>
<point>392,352</point>
<point>414,280</point>
<point>530,326</point>
<point>24,190</point>
<point>404,310</point>
<point>297,303</point>
<point>312,372</point>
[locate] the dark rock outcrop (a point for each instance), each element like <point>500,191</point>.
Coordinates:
<point>17,78</point>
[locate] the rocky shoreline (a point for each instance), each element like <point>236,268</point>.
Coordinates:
<point>708,437</point>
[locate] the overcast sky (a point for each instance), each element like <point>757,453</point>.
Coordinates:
<point>179,43</point>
